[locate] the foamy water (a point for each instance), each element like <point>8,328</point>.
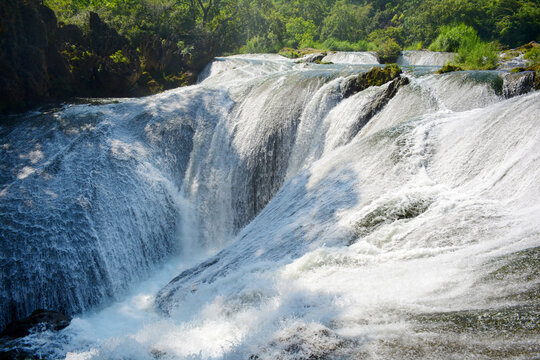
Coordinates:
<point>414,237</point>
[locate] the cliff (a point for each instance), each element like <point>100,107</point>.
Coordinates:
<point>43,60</point>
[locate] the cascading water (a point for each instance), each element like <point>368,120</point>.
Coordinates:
<point>366,58</point>
<point>334,232</point>
<point>423,58</point>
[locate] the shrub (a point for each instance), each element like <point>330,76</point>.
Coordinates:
<point>118,57</point>
<point>472,53</point>
<point>300,30</point>
<point>388,51</point>
<point>478,55</point>
<point>452,37</point>
<point>533,55</point>
<point>262,44</point>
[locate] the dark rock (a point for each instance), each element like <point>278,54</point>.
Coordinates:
<point>377,103</point>
<point>313,58</point>
<point>165,64</point>
<point>375,77</point>
<point>103,39</point>
<point>27,32</point>
<point>17,354</point>
<point>70,34</point>
<point>39,320</point>
<point>518,83</point>
<point>162,55</point>
<point>44,61</point>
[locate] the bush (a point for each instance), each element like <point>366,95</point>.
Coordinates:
<point>262,44</point>
<point>300,30</point>
<point>478,55</point>
<point>533,55</point>
<point>415,46</point>
<point>388,51</point>
<point>472,53</point>
<point>118,57</point>
<point>452,37</point>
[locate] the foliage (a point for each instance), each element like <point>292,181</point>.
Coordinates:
<point>533,55</point>
<point>347,22</point>
<point>343,45</point>
<point>475,54</point>
<point>268,43</point>
<point>296,53</point>
<point>301,30</point>
<point>452,37</point>
<point>472,52</point>
<point>207,28</point>
<point>118,57</point>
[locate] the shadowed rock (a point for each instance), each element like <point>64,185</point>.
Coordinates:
<point>39,320</point>
<point>518,84</point>
<point>312,58</point>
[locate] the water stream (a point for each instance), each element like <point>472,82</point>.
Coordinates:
<point>259,214</point>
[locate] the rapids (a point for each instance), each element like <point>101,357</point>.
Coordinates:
<point>259,215</point>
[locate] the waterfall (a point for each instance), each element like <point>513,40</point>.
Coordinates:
<point>373,226</point>
<point>424,58</point>
<point>365,58</point>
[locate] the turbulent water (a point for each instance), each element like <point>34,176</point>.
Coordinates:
<point>259,214</point>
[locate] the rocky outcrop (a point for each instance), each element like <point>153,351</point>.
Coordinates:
<point>39,320</point>
<point>29,60</point>
<point>375,77</point>
<point>518,83</point>
<point>164,60</point>
<point>377,103</point>
<point>102,62</point>
<point>43,60</point>
<point>312,58</point>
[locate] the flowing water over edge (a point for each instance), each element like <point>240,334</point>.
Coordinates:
<point>415,237</point>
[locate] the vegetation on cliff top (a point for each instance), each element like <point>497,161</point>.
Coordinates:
<point>226,26</point>
<point>153,45</point>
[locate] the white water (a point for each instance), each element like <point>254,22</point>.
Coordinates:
<point>360,58</point>
<point>406,58</point>
<point>424,58</point>
<point>381,244</point>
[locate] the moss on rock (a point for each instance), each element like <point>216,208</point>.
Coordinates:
<point>377,76</point>
<point>448,68</point>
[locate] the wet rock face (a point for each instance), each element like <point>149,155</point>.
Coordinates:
<point>518,84</point>
<point>39,320</point>
<point>378,102</point>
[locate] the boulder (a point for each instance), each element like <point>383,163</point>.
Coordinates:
<point>518,83</point>
<point>39,320</point>
<point>312,58</point>
<point>377,76</point>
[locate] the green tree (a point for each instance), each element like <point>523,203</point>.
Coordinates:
<point>301,30</point>
<point>346,22</point>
